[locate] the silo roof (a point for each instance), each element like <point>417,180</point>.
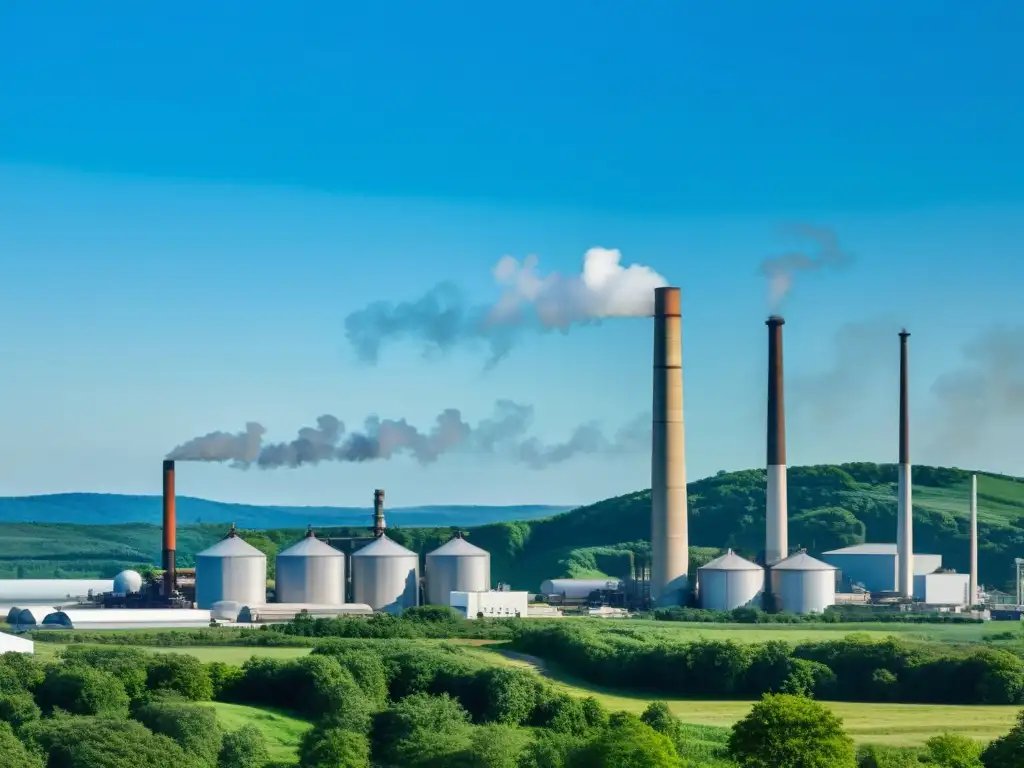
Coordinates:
<point>232,546</point>
<point>311,547</point>
<point>384,547</point>
<point>801,561</point>
<point>458,547</point>
<point>730,561</point>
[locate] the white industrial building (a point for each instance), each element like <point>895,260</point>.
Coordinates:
<point>876,566</point>
<point>803,584</point>
<point>729,582</point>
<point>491,604</point>
<point>577,589</point>
<point>943,589</point>
<point>14,644</point>
<point>456,566</point>
<point>283,612</point>
<point>26,592</point>
<point>127,618</point>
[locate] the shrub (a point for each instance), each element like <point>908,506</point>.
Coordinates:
<point>793,731</point>
<point>13,753</point>
<point>81,691</point>
<point>951,750</point>
<point>194,728</point>
<point>626,742</point>
<point>181,674</point>
<point>81,742</point>
<point>334,748</point>
<point>244,748</point>
<point>17,709</point>
<point>129,665</point>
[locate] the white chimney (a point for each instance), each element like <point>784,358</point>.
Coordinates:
<point>905,507</point>
<point>973,594</point>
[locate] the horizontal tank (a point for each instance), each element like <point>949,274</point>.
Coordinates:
<point>127,583</point>
<point>116,618</point>
<point>456,566</point>
<point>231,570</point>
<point>311,571</point>
<point>577,589</point>
<point>22,592</point>
<point>226,610</point>
<point>803,585</point>
<point>729,582</point>
<point>386,576</point>
<point>284,612</point>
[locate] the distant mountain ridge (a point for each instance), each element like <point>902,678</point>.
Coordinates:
<point>118,509</point>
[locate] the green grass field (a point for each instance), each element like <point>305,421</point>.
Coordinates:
<point>282,731</point>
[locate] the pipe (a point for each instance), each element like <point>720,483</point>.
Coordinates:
<point>670,560</point>
<point>904,506</point>
<point>973,594</point>
<point>170,531</point>
<point>776,529</point>
<point>378,513</point>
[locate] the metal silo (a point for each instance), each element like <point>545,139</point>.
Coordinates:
<point>311,572</point>
<point>803,584</point>
<point>386,576</point>
<point>456,566</point>
<point>729,582</point>
<point>231,570</point>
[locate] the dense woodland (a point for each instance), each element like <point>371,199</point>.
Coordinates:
<point>830,506</point>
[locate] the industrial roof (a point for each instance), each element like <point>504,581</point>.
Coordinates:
<point>801,561</point>
<point>383,547</point>
<point>311,547</point>
<point>232,546</point>
<point>730,561</point>
<point>458,547</point>
<point>870,549</point>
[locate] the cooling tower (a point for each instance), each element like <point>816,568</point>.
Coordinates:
<point>904,508</point>
<point>170,523</point>
<point>776,541</point>
<point>973,594</point>
<point>669,537</point>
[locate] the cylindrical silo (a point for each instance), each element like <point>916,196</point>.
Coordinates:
<point>310,572</point>
<point>231,570</point>
<point>456,566</point>
<point>729,582</point>
<point>803,585</point>
<point>386,576</point>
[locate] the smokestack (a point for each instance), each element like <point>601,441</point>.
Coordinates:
<point>776,542</point>
<point>170,526</point>
<point>670,558</point>
<point>378,513</point>
<point>973,594</point>
<point>904,507</point>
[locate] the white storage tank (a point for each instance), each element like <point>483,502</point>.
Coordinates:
<point>803,585</point>
<point>231,570</point>
<point>386,576</point>
<point>127,583</point>
<point>456,566</point>
<point>311,571</point>
<point>729,582</point>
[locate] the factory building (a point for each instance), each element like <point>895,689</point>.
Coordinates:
<point>802,584</point>
<point>231,570</point>
<point>310,572</point>
<point>730,582</point>
<point>283,612</point>
<point>456,566</point>
<point>126,618</point>
<point>27,592</point>
<point>943,589</point>
<point>13,644</point>
<point>577,589</point>
<point>386,576</point>
<point>875,567</point>
<point>497,604</point>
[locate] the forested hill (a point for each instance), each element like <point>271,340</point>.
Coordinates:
<point>829,506</point>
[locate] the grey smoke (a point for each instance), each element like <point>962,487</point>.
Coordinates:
<point>504,435</point>
<point>781,270</point>
<point>986,392</point>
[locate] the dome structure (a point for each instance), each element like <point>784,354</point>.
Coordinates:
<point>127,583</point>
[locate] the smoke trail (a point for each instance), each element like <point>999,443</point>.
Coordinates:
<point>444,317</point>
<point>781,270</point>
<point>985,393</point>
<point>504,435</point>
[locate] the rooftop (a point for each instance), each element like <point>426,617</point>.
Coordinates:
<point>730,561</point>
<point>870,549</point>
<point>801,561</point>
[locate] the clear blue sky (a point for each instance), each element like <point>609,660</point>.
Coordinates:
<point>192,200</point>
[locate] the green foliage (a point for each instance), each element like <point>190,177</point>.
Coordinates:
<point>244,748</point>
<point>1006,751</point>
<point>874,756</point>
<point>792,731</point>
<point>420,729</point>
<point>19,672</point>
<point>181,674</point>
<point>14,754</point>
<point>102,742</point>
<point>627,742</point>
<point>17,709</point>
<point>194,728</point>
<point>492,746</point>
<point>510,695</point>
<point>129,665</point>
<point>334,748</point>
<point>81,691</point>
<point>951,750</point>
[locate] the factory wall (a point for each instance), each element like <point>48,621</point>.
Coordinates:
<point>490,604</point>
<point>577,589</point>
<point>22,592</point>
<point>12,644</point>
<point>877,571</point>
<point>942,588</point>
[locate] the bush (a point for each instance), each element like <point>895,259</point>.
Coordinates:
<point>334,748</point>
<point>84,742</point>
<point>81,691</point>
<point>244,748</point>
<point>420,727</point>
<point>793,731</point>
<point>19,672</point>
<point>1006,751</point>
<point>951,750</point>
<point>873,756</point>
<point>17,709</point>
<point>626,742</point>
<point>13,753</point>
<point>193,727</point>
<point>181,674</point>
<point>129,665</point>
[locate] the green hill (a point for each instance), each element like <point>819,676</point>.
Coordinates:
<point>830,506</point>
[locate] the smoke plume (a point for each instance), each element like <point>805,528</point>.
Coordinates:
<point>504,434</point>
<point>444,317</point>
<point>986,393</point>
<point>782,270</point>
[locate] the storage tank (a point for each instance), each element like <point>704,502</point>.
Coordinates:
<point>729,582</point>
<point>803,584</point>
<point>127,583</point>
<point>231,570</point>
<point>311,571</point>
<point>456,566</point>
<point>577,589</point>
<point>386,576</point>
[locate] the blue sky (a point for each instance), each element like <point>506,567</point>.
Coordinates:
<point>193,200</point>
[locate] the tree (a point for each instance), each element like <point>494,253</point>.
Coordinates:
<point>492,746</point>
<point>181,674</point>
<point>20,672</point>
<point>334,748</point>
<point>797,732</point>
<point>70,741</point>
<point>627,742</point>
<point>420,730</point>
<point>950,750</point>
<point>82,691</point>
<point>13,753</point>
<point>1006,751</point>
<point>129,665</point>
<point>660,718</point>
<point>244,748</point>
<point>195,728</point>
<point>17,709</point>
<point>509,695</point>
